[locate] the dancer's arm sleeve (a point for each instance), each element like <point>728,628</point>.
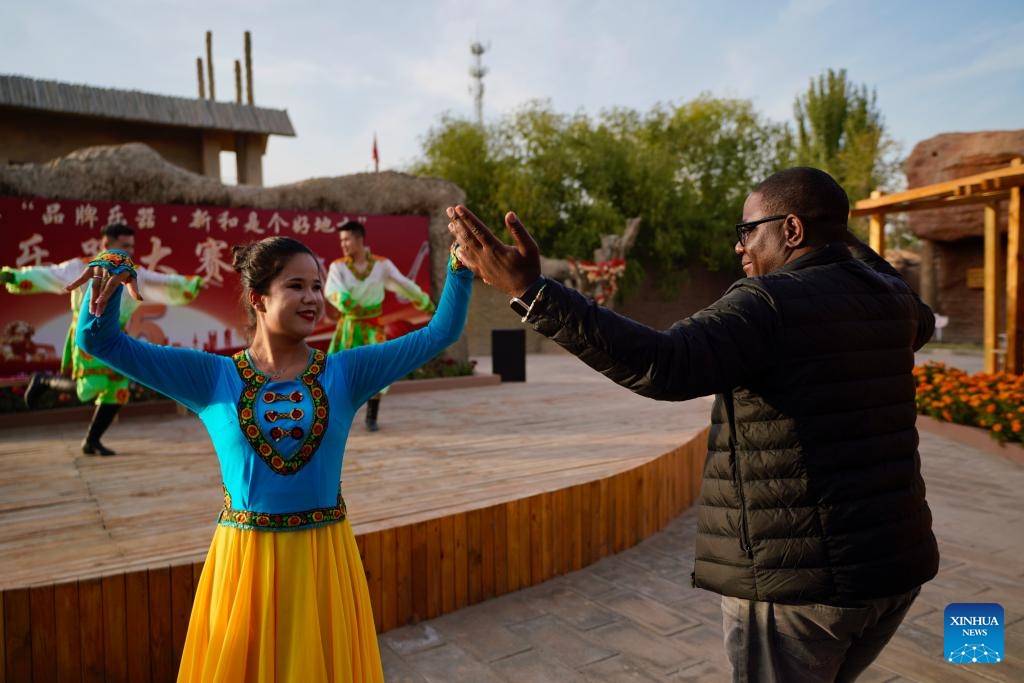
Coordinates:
<point>186,375</point>
<point>43,279</point>
<point>167,288</point>
<point>403,286</point>
<point>336,293</point>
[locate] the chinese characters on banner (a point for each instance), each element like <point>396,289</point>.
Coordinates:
<point>182,239</point>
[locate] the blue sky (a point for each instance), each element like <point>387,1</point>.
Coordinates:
<point>345,70</point>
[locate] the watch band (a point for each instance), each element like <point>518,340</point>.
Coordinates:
<point>523,305</point>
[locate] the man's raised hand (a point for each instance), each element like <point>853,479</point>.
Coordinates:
<point>509,268</point>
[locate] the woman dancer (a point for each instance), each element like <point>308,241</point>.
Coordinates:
<point>282,596</point>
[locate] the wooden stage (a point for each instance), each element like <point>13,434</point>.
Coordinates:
<point>463,495</point>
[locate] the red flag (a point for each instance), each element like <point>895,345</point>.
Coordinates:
<point>376,154</point>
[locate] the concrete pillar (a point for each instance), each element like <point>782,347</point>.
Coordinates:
<point>211,156</point>
<point>249,149</point>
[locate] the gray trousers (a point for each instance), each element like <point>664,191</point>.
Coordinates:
<point>770,642</point>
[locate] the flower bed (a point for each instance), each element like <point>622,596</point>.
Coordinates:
<point>443,366</point>
<point>991,401</point>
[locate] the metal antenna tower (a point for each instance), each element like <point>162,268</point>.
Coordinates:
<point>477,72</point>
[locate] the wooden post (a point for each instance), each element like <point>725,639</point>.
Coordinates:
<point>990,309</point>
<point>199,73</point>
<point>209,62</point>
<point>1014,297</point>
<point>876,228</point>
<point>927,285</point>
<point>238,81</point>
<point>248,67</point>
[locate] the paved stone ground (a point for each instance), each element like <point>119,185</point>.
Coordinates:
<point>969,360</point>
<point>634,617</point>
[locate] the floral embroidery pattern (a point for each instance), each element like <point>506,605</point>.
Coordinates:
<point>364,272</point>
<point>454,263</point>
<point>280,521</point>
<point>254,380</point>
<point>115,262</point>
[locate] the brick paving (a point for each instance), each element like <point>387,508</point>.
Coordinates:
<point>634,616</point>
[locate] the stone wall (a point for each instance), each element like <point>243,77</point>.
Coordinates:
<point>38,137</point>
<point>955,299</point>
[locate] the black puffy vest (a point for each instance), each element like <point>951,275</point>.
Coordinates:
<point>812,488</point>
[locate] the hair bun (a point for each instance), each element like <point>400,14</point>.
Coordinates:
<point>240,256</point>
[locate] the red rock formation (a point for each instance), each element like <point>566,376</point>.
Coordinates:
<point>957,232</point>
<point>954,155</point>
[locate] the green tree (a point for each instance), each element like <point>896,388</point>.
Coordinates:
<point>840,130</point>
<point>720,148</point>
<point>461,151</point>
<point>685,169</point>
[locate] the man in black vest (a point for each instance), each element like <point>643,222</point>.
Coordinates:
<point>812,523</point>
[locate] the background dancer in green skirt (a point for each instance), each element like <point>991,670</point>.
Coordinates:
<point>82,374</point>
<point>356,285</point>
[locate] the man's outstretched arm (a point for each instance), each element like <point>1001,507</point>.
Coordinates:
<point>709,352</point>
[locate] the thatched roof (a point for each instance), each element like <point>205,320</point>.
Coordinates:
<point>132,105</point>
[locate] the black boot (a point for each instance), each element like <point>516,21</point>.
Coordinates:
<point>41,382</point>
<point>372,406</point>
<point>101,419</point>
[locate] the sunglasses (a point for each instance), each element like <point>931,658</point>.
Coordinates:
<point>743,230</point>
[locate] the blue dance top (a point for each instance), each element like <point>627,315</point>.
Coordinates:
<point>280,443</point>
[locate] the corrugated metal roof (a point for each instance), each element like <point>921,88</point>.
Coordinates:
<point>132,105</point>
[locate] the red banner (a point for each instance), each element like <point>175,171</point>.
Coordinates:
<point>182,239</point>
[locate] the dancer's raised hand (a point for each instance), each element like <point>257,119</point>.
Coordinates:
<point>106,272</point>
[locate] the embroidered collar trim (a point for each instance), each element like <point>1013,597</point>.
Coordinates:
<point>362,273</point>
<point>264,447</point>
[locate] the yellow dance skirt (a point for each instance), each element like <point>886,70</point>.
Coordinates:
<point>276,607</point>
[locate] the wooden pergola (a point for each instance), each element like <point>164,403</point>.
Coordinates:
<point>987,189</point>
